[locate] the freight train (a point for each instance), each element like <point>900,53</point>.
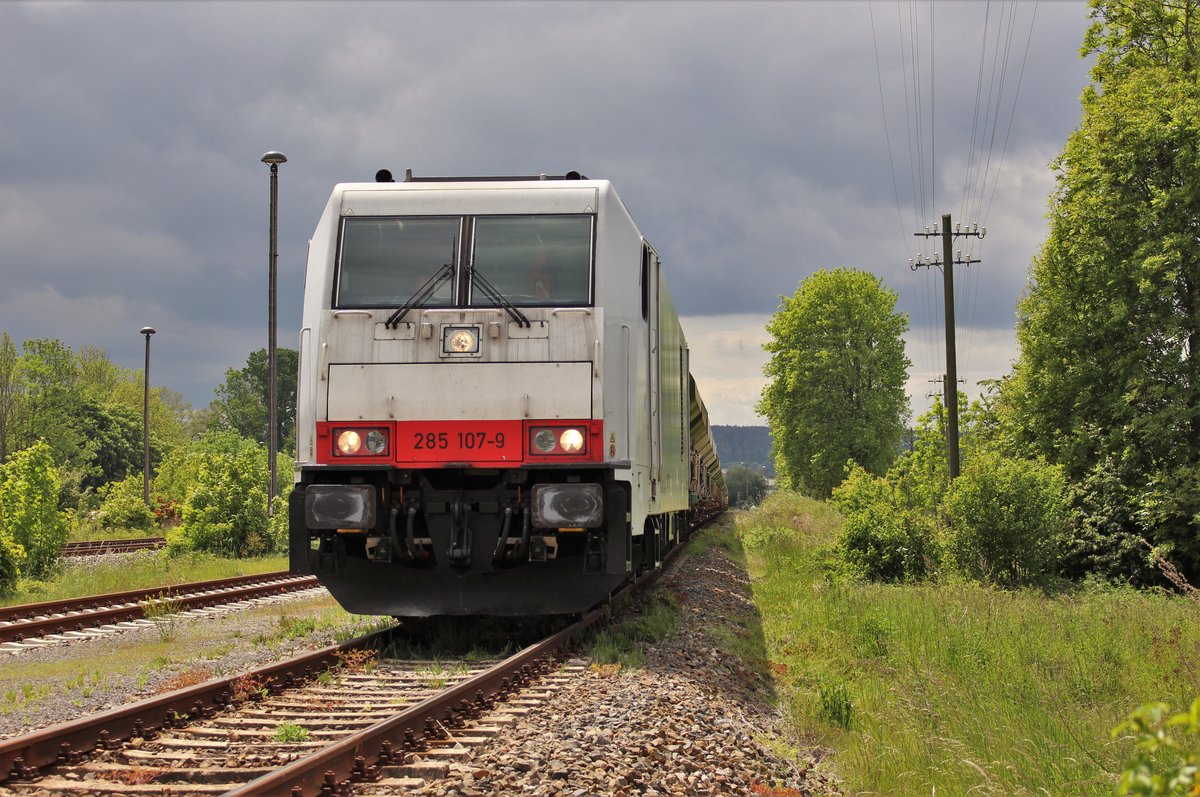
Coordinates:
<point>495,414</point>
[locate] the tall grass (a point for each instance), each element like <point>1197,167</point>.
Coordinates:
<point>954,688</point>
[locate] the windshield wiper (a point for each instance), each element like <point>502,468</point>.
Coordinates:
<point>489,290</point>
<point>424,292</point>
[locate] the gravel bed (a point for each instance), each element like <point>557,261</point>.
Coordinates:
<point>691,720</point>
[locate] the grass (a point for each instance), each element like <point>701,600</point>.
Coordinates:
<point>136,571</point>
<point>953,687</point>
<point>621,641</point>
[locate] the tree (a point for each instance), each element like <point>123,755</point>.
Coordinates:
<point>221,483</point>
<point>837,372</point>
<point>29,515</point>
<point>1108,381</point>
<point>746,487</point>
<point>12,391</point>
<point>241,403</point>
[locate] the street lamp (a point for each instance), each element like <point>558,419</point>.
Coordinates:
<point>272,158</point>
<point>147,331</point>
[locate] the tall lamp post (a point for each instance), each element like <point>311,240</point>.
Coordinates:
<point>147,331</point>
<point>272,158</point>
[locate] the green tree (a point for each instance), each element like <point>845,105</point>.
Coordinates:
<point>241,403</point>
<point>837,372</point>
<point>221,484</point>
<point>745,486</point>
<point>1108,381</point>
<point>12,391</point>
<point>29,516</point>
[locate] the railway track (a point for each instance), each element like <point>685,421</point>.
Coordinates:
<point>310,725</point>
<point>77,618</point>
<point>98,547</point>
<point>331,722</point>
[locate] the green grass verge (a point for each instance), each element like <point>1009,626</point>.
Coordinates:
<point>954,688</point>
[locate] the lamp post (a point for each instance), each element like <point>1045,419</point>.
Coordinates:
<point>147,331</point>
<point>272,158</point>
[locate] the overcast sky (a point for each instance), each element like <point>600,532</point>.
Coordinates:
<point>749,140</point>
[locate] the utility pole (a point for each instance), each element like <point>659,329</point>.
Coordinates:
<point>947,263</point>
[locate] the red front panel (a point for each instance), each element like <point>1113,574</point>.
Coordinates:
<point>485,444</point>
<point>490,443</point>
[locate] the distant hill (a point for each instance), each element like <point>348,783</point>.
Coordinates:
<point>745,445</point>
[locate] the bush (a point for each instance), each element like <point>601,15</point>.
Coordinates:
<point>1164,762</point>
<point>29,516</point>
<point>882,540</point>
<point>1007,520</point>
<point>123,506</point>
<point>223,479</point>
<point>11,558</point>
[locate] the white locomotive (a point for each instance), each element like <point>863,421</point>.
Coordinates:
<point>494,409</point>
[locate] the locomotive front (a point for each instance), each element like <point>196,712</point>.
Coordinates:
<point>463,427</point>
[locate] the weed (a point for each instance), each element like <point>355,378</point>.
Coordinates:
<point>189,677</point>
<point>836,707</point>
<point>249,687</point>
<point>290,733</point>
<point>359,660</point>
<point>162,610</point>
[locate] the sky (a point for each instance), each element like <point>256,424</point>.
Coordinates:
<point>753,142</point>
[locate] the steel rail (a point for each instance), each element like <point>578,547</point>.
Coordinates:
<point>356,757</point>
<point>58,617</point>
<point>22,756</point>
<point>94,547</point>
<point>30,610</point>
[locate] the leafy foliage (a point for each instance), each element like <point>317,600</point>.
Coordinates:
<point>746,487</point>
<point>29,515</point>
<point>1163,763</point>
<point>882,538</point>
<point>837,372</point>
<point>221,482</point>
<point>124,507</point>
<point>241,403</point>
<point>1007,520</point>
<point>1109,376</point>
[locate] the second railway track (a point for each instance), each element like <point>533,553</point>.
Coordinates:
<point>80,616</point>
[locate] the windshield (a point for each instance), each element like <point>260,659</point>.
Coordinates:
<point>383,262</point>
<point>534,260</point>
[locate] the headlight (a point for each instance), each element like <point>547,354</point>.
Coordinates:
<point>544,441</point>
<point>571,441</point>
<point>349,443</point>
<point>553,441</point>
<point>360,442</point>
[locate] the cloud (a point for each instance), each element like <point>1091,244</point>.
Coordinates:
<point>747,139</point>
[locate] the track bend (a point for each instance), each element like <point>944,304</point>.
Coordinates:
<point>38,624</point>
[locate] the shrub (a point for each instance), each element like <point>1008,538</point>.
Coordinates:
<point>11,557</point>
<point>881,540</point>
<point>123,506</point>
<point>29,516</point>
<point>223,478</point>
<point>1164,762</point>
<point>1007,520</point>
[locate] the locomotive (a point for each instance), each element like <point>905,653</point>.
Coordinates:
<point>495,414</point>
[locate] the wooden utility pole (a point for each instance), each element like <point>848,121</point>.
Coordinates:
<point>947,264</point>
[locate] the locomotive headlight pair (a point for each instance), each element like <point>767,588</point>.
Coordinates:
<point>547,440</point>
<point>360,442</point>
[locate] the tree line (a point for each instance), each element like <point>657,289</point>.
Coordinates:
<point>71,454</point>
<point>1085,459</point>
